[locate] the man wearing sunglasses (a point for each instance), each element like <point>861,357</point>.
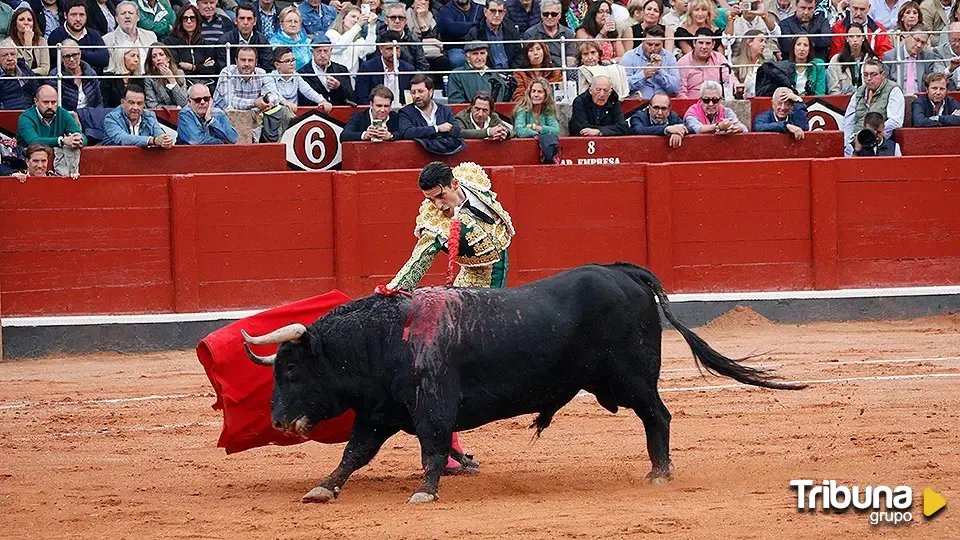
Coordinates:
<point>496,30</point>
<point>550,31</point>
<point>709,116</point>
<point>396,21</point>
<point>202,123</point>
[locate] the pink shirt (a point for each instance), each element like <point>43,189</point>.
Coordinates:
<point>692,76</point>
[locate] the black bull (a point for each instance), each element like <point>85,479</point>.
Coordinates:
<point>468,357</point>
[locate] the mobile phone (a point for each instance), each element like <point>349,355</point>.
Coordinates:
<point>377,123</point>
<point>365,9</point>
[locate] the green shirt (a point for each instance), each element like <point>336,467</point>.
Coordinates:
<point>32,129</point>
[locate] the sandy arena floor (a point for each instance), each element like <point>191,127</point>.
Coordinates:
<point>122,446</point>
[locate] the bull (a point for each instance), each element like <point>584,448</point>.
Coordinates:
<point>450,360</point>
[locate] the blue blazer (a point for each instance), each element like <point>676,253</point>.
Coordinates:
<point>766,121</point>
<point>360,121</point>
<point>922,110</point>
<point>116,129</point>
<point>414,126</point>
<point>640,123</point>
<point>365,83</point>
<point>13,95</point>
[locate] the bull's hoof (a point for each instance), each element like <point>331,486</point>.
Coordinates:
<point>660,477</point>
<point>421,497</point>
<point>659,480</point>
<point>319,494</point>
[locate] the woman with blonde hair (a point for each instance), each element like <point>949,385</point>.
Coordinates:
<point>536,116</point>
<point>700,14</point>
<point>164,84</point>
<point>345,30</point>
<point>127,71</point>
<point>534,58</point>
<point>748,59</point>
<point>25,32</point>
<point>291,34</point>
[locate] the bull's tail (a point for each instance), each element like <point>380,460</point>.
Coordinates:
<point>705,355</point>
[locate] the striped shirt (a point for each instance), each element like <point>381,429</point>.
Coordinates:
<point>235,91</point>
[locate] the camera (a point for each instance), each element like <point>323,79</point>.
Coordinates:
<point>748,6</point>
<point>868,138</point>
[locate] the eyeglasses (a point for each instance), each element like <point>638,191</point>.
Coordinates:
<point>71,56</point>
<point>497,11</point>
<point>198,100</point>
<point>397,17</point>
<point>188,18</point>
<point>710,100</point>
<point>550,14</point>
<point>287,61</point>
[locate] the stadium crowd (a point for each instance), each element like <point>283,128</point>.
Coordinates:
<point>85,71</point>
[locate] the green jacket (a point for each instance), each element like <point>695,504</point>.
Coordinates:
<point>31,129</point>
<point>6,12</point>
<point>816,79</point>
<point>465,82</point>
<point>548,124</point>
<point>160,21</point>
<point>466,125</point>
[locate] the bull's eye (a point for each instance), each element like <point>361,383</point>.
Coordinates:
<point>291,369</point>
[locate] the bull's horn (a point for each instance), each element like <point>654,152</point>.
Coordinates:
<point>290,332</point>
<point>259,360</point>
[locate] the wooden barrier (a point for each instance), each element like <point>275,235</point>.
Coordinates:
<point>941,141</point>
<point>363,156</point>
<point>155,244</point>
<point>182,159</point>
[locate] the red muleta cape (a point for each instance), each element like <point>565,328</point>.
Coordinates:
<point>244,388</point>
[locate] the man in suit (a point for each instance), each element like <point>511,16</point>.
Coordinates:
<point>131,124</point>
<point>360,126</point>
<point>659,119</point>
<point>396,21</point>
<point>330,79</point>
<point>16,93</point>
<point>934,16</point>
<point>935,108</point>
<point>949,53</point>
<point>788,115</point>
<point>494,29</point>
<point>245,33</point>
<point>910,63</point>
<point>429,123</point>
<point>387,62</point>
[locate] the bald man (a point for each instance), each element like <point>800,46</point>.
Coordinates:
<point>49,123</point>
<point>597,111</point>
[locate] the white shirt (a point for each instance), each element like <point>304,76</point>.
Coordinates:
<point>81,97</point>
<point>111,20</point>
<point>432,117</point>
<point>321,73</point>
<point>884,14</point>
<point>392,81</point>
<point>135,129</point>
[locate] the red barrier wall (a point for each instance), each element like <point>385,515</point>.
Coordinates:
<point>942,141</point>
<point>603,150</point>
<point>229,241</point>
<point>110,160</point>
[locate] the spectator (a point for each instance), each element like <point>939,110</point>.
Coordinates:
<point>524,14</point>
<point>53,126</point>
<point>25,33</point>
<point>811,74</point>
<point>843,73</point>
<point>748,59</point>
<point>101,16</point>
<point>646,14</point>
<point>935,108</point>
<point>156,16</point>
<point>659,119</point>
<point>877,94</point>
<point>50,15</point>
<point>806,21</point>
<point>213,25</point>
<point>430,124</point>
<point>198,63</point>
<point>455,20</point>
<point>755,18</point>
<point>781,9</point>
<point>649,70</point>
<point>935,15</point>
<point>885,12</point>
<point>317,17</point>
<point>673,16</point>
<point>949,53</point>
<point>536,113</point>
<point>347,29</point>
<point>127,35</point>
<point>74,28</point>
<point>598,24</point>
<point>37,157</point>
<point>283,85</point>
<point>413,54</point>
<point>574,12</point>
<point>131,125</point>
<point>876,32</point>
<point>908,20</point>
<point>588,58</point>
<point>113,89</point>
<point>699,20</point>
<point>377,124</point>
<point>465,82</point>
<point>535,57</point>
<point>245,33</point>
<point>422,27</point>
<point>597,112</point>
<point>910,63</point>
<point>16,93</point>
<point>202,123</point>
<point>242,86</point>
<point>481,121</point>
<point>268,17</point>
<point>80,86</point>
<point>165,86</point>
<point>492,29</point>
<point>872,140</point>
<point>321,74</point>
<point>551,31</point>
<point>399,72</point>
<point>704,64</point>
<point>709,116</point>
<point>788,115</point>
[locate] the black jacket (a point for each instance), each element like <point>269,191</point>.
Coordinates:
<point>195,56</point>
<point>343,95</point>
<point>264,54</point>
<point>922,110</point>
<point>411,54</point>
<point>608,118</point>
<point>508,32</point>
<point>37,7</point>
<point>95,18</point>
<point>15,93</point>
<point>114,90</point>
<point>366,83</point>
<point>360,121</point>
